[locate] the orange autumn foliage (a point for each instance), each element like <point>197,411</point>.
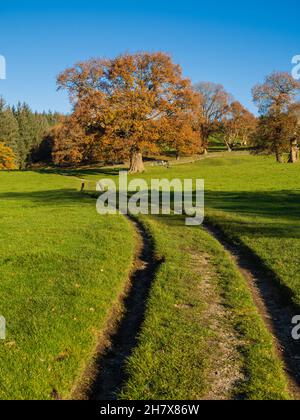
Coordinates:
<point>238,126</point>
<point>214,104</point>
<point>130,106</point>
<point>71,145</point>
<point>7,158</point>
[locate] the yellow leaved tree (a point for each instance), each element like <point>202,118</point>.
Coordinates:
<point>7,158</point>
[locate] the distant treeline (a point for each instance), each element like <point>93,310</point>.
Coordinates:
<point>25,132</point>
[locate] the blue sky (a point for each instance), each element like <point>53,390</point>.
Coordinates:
<point>235,43</point>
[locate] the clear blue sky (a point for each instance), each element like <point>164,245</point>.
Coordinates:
<point>235,43</point>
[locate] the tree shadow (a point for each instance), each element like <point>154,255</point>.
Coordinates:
<point>253,214</point>
<point>79,172</point>
<point>285,203</point>
<point>274,214</point>
<point>44,198</point>
<point>257,214</point>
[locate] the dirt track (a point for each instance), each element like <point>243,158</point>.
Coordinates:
<point>111,366</point>
<point>273,304</point>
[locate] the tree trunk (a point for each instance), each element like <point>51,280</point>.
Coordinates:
<point>204,142</point>
<point>245,142</point>
<point>136,162</point>
<point>279,157</point>
<point>228,146</point>
<point>294,151</point>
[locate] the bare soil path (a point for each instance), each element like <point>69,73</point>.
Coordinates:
<point>111,365</point>
<point>272,302</point>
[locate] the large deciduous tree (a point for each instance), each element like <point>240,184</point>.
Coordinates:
<point>70,144</point>
<point>180,134</point>
<point>214,104</point>
<point>278,127</point>
<point>276,134</point>
<point>127,106</point>
<point>238,125</point>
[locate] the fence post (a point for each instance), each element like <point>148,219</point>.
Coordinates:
<point>2,328</point>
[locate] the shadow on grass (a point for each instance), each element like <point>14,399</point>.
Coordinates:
<point>275,204</point>
<point>80,172</point>
<point>259,214</point>
<point>44,198</point>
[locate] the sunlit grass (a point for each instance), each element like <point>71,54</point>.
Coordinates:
<point>256,201</point>
<point>57,284</point>
<point>181,346</point>
<point>62,267</point>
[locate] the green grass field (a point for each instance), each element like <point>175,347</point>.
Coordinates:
<point>57,282</point>
<point>62,269</point>
<point>255,202</point>
<point>203,337</point>
<point>253,199</point>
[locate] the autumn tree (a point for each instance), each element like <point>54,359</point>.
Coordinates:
<point>70,143</point>
<point>274,135</point>
<point>7,158</point>
<point>278,126</point>
<point>121,104</point>
<point>294,114</point>
<point>180,134</point>
<point>238,125</point>
<point>214,104</point>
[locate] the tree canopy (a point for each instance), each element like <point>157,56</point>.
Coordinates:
<point>278,129</point>
<point>238,125</point>
<point>214,105</point>
<point>127,107</point>
<point>276,94</point>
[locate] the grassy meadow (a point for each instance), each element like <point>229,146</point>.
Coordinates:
<point>57,283</point>
<point>255,202</point>
<point>62,268</point>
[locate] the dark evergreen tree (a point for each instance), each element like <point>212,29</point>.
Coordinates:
<point>9,130</point>
<point>26,132</point>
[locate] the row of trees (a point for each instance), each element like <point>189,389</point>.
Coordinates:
<point>136,105</point>
<point>23,131</point>
<point>221,115</point>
